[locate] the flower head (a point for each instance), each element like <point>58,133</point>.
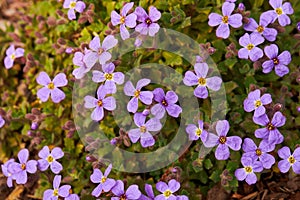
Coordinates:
<point>165,103</point>
<point>131,193</point>
<point>224,21</point>
<point>145,96</point>
<point>100,103</point>
<point>196,132</point>
<point>199,78</point>
<point>250,166</point>
<point>148,25</point>
<point>78,61</point>
<point>110,77</point>
<point>280,62</point>
<point>2,121</point>
<point>6,173</point>
<point>11,55</point>
<point>49,159</point>
<point>51,87</point>
<point>105,183</point>
<point>73,5</point>
<point>256,102</point>
<point>223,142</point>
<point>167,190</point>
<point>289,160</point>
<point>250,50</point>
<point>124,20</point>
<point>56,192</point>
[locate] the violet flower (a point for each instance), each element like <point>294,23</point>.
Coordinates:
<point>49,159</point>
<point>11,55</point>
<point>131,193</point>
<point>57,191</point>
<point>78,61</point>
<point>167,190</point>
<point>148,25</point>
<point>195,132</point>
<point>289,160</point>
<point>250,166</point>
<point>250,43</point>
<point>6,173</point>
<point>149,192</point>
<point>73,5</point>
<point>256,102</point>
<point>2,121</point>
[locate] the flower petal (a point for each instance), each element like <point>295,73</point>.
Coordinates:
<point>153,29</point>
<point>212,140</point>
<point>201,92</point>
<point>284,152</point>
<point>134,135</point>
<point>132,105</point>
<point>190,79</point>
<point>109,103</point>
<point>57,95</point>
<point>23,155</point>
<point>130,20</point>
<point>56,167</point>
<point>268,66</point>
<point>251,25</point>
<point>222,152</point>
<point>90,59</point>
<point>285,58</point>
<point>126,8</point>
<point>147,140</point>
<point>124,32</point>
<point>227,8</point>
<point>240,174</point>
<point>97,114</point>
<point>154,14</point>
<point>174,110</point>
<point>60,80</point>
<point>158,111</point>
<point>235,20</point>
<point>222,127</point>
<point>214,83</point>
<point>271,51</point>
<point>96,176</point>
<point>153,125</point>
<point>249,145</point>
<point>43,79</point>
<point>255,54</point>
<point>109,42</point>
<point>284,166</point>
<point>223,31</point>
<point>214,19</point>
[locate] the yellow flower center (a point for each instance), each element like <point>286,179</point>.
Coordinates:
<point>250,46</point>
<point>225,19</point>
<point>137,93</point>
<point>122,20</point>
<point>201,81</point>
<point>103,179</point>
<point>167,193</point>
<point>198,132</point>
<point>279,11</point>
<point>222,139</point>
<point>258,152</point>
<point>164,102</point>
<point>260,29</point>
<point>55,192</point>
<point>73,4</point>
<point>23,166</point>
<point>270,126</point>
<point>13,56</point>
<point>291,159</point>
<point>248,169</point>
<point>123,197</point>
<point>143,129</point>
<point>50,159</point>
<point>51,86</point>
<point>108,76</point>
<point>257,103</point>
<point>275,61</point>
<point>99,103</point>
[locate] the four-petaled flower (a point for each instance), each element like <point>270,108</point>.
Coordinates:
<point>78,61</point>
<point>2,121</point>
<point>280,62</point>
<point>270,133</point>
<point>250,50</point>
<point>110,77</point>
<point>289,160</point>
<point>148,23</point>
<point>99,52</point>
<point>199,79</point>
<point>142,132</point>
<point>73,5</point>
<point>57,191</point>
<point>223,142</point>
<point>11,55</point>
<point>124,20</point>
<point>6,173</point>
<point>255,102</point>
<point>145,96</point>
<point>195,132</point>
<point>250,166</point>
<point>224,21</point>
<point>105,184</point>
<point>100,103</point>
<point>165,103</point>
<point>131,193</point>
<point>49,159</point>
<point>51,87</point>
<point>167,190</point>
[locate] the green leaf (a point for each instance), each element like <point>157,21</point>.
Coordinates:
<point>208,164</point>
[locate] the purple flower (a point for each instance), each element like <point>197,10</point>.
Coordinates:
<point>145,96</point>
<point>142,132</point>
<point>223,142</point>
<point>261,152</point>
<point>224,21</point>
<point>195,132</point>
<point>165,103</point>
<point>131,193</point>
<point>105,184</point>
<point>57,191</point>
<point>249,42</point>
<point>2,121</point>
<point>148,25</point>
<point>191,79</point>
<point>99,103</point>
<point>78,61</point>
<point>110,78</point>
<point>289,160</point>
<point>124,20</point>
<point>255,102</point>
<point>73,5</point>
<point>270,133</point>
<point>167,190</point>
<point>298,26</point>
<point>19,170</point>
<point>280,11</point>
<point>49,159</point>
<point>149,192</point>
<point>72,197</point>
<point>250,166</point>
<point>51,87</point>
<point>6,173</point>
<point>99,52</point>
<point>269,33</point>
<point>11,55</point>
<point>279,62</point>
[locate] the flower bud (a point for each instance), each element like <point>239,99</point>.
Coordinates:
<point>113,141</point>
<point>298,26</point>
<point>34,125</point>
<point>241,7</point>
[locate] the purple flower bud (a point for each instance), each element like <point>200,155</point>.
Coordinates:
<point>69,50</point>
<point>174,170</point>
<point>146,112</point>
<point>298,26</point>
<point>30,133</point>
<point>241,7</point>
<point>298,108</point>
<point>90,158</point>
<point>113,141</point>
<point>34,125</point>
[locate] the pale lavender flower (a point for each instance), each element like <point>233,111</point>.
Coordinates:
<point>73,5</point>
<point>224,21</point>
<point>99,52</point>
<point>51,87</point>
<point>149,192</point>
<point>145,96</point>
<point>131,193</point>
<point>49,159</point>
<point>56,192</point>
<point>142,132</point>
<point>148,25</point>
<point>165,103</point>
<point>105,184</point>
<point>223,142</point>
<point>298,26</point>
<point>196,132</point>
<point>110,77</point>
<point>2,121</point>
<point>124,20</point>
<point>6,173</point>
<point>250,166</point>
<point>11,55</point>
<point>250,43</point>
<point>280,62</point>
<point>167,190</point>
<point>78,61</point>
<point>100,103</point>
<point>199,78</point>
<point>289,160</point>
<point>255,102</point>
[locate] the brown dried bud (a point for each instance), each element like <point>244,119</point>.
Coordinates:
<point>82,19</point>
<point>277,107</point>
<point>14,36</point>
<point>38,34</point>
<point>60,13</point>
<point>30,57</point>
<point>257,65</point>
<point>61,21</point>
<point>51,21</point>
<point>61,41</point>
